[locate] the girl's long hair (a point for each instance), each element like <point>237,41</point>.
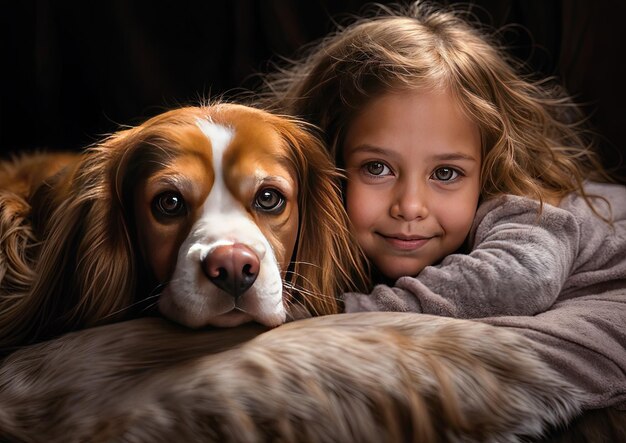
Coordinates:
<point>533,139</point>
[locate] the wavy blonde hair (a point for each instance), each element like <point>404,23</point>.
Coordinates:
<point>533,138</point>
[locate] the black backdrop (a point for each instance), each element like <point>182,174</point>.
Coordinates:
<point>74,71</point>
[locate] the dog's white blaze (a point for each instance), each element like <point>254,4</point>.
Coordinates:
<point>224,221</point>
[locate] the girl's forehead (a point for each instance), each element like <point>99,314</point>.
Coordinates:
<point>398,105</point>
<point>431,120</point>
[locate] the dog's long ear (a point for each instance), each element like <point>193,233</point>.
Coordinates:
<point>328,260</point>
<point>85,270</point>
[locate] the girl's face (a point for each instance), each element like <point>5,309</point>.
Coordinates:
<point>413,166</point>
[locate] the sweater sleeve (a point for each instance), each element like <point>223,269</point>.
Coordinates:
<point>517,266</point>
<point>584,340</point>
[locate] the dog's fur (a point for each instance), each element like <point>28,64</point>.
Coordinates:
<point>84,239</point>
<point>368,377</point>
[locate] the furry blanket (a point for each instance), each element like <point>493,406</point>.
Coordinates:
<point>367,377</point>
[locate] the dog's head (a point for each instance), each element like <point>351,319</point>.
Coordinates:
<point>219,214</point>
<point>217,211</point>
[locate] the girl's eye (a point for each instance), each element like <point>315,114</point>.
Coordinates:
<point>270,200</point>
<point>169,203</point>
<point>377,168</point>
<point>445,174</point>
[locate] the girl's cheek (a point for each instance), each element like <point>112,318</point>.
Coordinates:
<point>362,203</point>
<point>355,197</point>
<point>458,217</point>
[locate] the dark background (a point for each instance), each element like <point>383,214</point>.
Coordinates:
<point>74,71</point>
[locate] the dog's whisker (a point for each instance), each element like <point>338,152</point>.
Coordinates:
<point>298,262</point>
<point>150,306</point>
<point>301,276</point>
<point>304,292</point>
<point>132,305</point>
<point>157,289</point>
<point>309,293</point>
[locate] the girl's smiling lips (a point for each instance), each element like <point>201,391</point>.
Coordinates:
<point>404,242</point>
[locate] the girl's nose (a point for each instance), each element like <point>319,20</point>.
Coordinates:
<point>411,203</point>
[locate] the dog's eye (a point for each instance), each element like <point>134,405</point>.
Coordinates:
<point>169,203</point>
<point>269,200</point>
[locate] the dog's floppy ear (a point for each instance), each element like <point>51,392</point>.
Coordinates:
<point>327,260</point>
<point>84,271</point>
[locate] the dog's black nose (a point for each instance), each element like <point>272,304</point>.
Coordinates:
<point>232,268</point>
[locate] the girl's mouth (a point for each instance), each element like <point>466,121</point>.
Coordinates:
<point>403,242</point>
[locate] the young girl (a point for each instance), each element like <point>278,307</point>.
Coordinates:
<point>467,187</point>
<point>466,183</point>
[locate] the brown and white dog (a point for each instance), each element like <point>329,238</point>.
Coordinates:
<point>203,211</point>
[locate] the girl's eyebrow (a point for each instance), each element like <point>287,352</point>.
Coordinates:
<point>448,156</point>
<point>453,156</point>
<point>372,150</point>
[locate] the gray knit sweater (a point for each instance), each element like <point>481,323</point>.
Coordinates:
<point>558,278</point>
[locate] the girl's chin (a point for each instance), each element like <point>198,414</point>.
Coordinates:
<point>392,269</point>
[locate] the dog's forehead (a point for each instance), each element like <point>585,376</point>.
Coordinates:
<point>247,148</point>
<point>255,133</point>
<point>246,140</point>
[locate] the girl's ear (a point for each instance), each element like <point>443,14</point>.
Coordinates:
<point>85,267</point>
<point>328,260</point>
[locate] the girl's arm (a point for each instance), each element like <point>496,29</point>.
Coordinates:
<point>518,265</point>
<point>584,340</point>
